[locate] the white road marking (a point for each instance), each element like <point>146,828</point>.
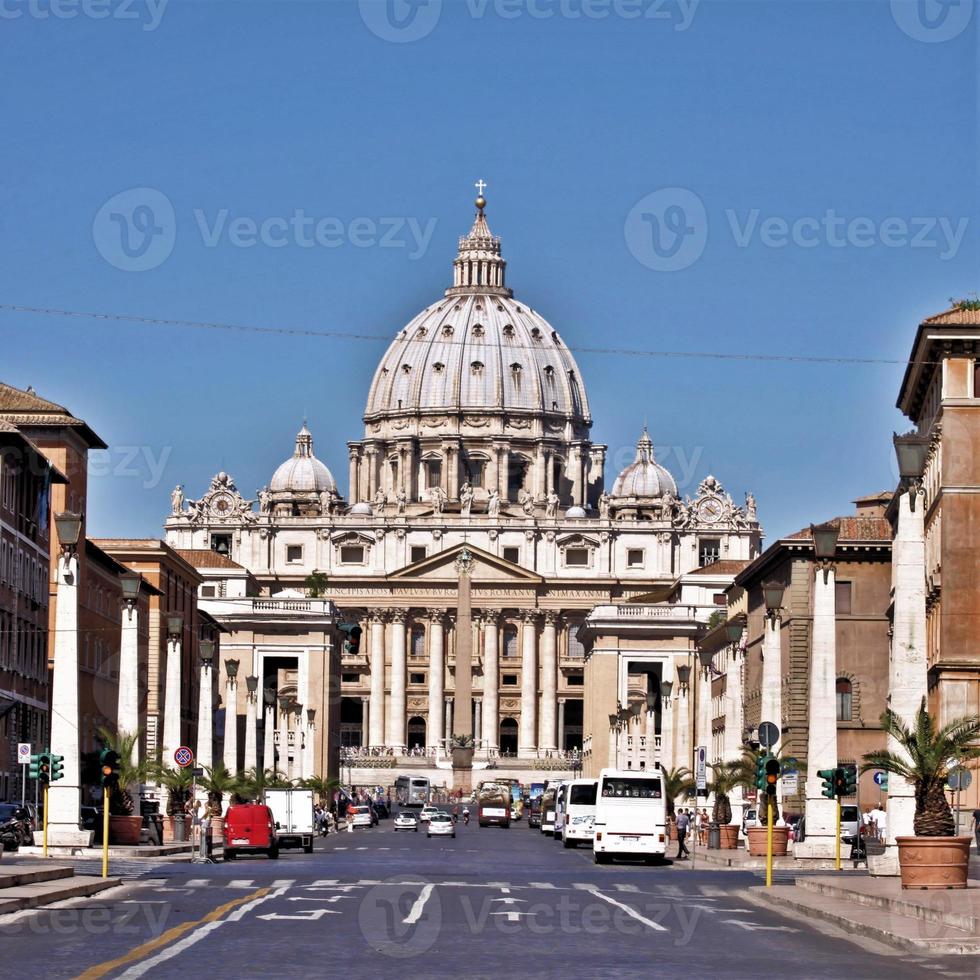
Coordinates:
<point>330,888</point>
<point>508,900</point>
<point>754,927</point>
<point>504,891</point>
<point>583,886</point>
<point>626,888</point>
<point>323,881</point>
<point>632,913</point>
<point>513,916</point>
<point>541,884</point>
<point>309,915</point>
<point>240,883</point>
<point>315,898</point>
<point>197,883</point>
<point>283,882</point>
<point>416,912</point>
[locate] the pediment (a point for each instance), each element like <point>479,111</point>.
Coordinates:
<point>485,568</point>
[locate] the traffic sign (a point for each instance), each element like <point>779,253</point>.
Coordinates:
<point>881,780</point>
<point>24,753</point>
<point>959,779</point>
<point>700,768</point>
<point>768,734</point>
<point>183,756</point>
<point>791,783</point>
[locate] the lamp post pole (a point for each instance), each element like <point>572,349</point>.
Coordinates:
<point>127,711</point>
<point>772,665</point>
<point>250,761</point>
<point>231,716</point>
<point>205,707</point>
<point>269,730</point>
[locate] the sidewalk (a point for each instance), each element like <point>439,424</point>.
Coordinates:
<point>115,851</point>
<point>29,885</point>
<point>739,859</point>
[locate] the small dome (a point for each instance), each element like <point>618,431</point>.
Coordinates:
<point>644,477</point>
<point>575,512</point>
<point>362,509</point>
<point>302,472</point>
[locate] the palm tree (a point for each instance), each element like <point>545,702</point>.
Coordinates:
<point>925,761</point>
<point>131,776</point>
<point>726,776</point>
<point>217,781</point>
<point>677,782</point>
<point>322,786</point>
<point>255,782</point>
<point>178,783</point>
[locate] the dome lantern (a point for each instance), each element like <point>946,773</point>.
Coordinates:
<point>479,266</point>
<point>644,477</point>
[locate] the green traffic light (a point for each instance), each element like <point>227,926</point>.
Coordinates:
<point>773,772</point>
<point>829,779</point>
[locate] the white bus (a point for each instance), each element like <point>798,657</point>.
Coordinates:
<point>412,791</point>
<point>578,822</point>
<point>630,815</point>
<point>561,799</point>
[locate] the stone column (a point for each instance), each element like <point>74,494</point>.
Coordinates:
<point>734,720</point>
<point>821,813</point>
<point>434,731</point>
<point>549,682</point>
<point>503,472</point>
<point>171,699</point>
<point>396,721</point>
<point>365,719</point>
<point>376,735</point>
<point>128,710</point>
<point>299,741</point>
<point>64,795</point>
<point>704,709</point>
<point>527,732</point>
<point>907,684</point>
<point>561,723</point>
<point>448,715</point>
<point>651,733</point>
<point>667,733</point>
<point>477,717</point>
<point>205,717</point>
<point>772,684</point>
<point>491,677</point>
<point>251,760</point>
<point>285,765</point>
<point>613,748</point>
<point>309,745</point>
<point>463,675</point>
<point>269,737</point>
<point>354,475</point>
<point>231,717</point>
<point>682,739</point>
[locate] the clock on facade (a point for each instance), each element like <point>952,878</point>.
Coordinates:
<point>710,509</point>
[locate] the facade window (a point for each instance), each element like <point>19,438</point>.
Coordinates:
<point>976,378</point>
<point>634,558</point>
<point>576,557</point>
<point>416,678</point>
<point>510,641</point>
<point>476,469</point>
<point>350,678</point>
<point>845,697</point>
<point>575,680</point>
<point>294,552</point>
<point>208,591</point>
<point>843,598</point>
<point>352,554</point>
<point>418,641</point>
<point>433,472</point>
<point>221,543</point>
<point>509,680</point>
<point>719,599</point>
<point>512,555</point>
<point>709,550</point>
<point>576,650</point>
<point>418,552</point>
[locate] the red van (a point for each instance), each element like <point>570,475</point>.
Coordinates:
<point>250,829</point>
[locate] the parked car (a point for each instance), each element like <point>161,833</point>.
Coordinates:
<point>406,820</point>
<point>250,828</point>
<point>750,818</point>
<point>428,812</point>
<point>441,825</point>
<point>363,816</point>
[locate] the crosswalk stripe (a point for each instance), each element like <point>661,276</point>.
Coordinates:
<point>197,883</point>
<point>240,883</point>
<point>713,891</point>
<point>626,888</point>
<point>583,886</point>
<point>541,884</point>
<point>283,882</point>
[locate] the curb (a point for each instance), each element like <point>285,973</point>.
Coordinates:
<point>38,897</point>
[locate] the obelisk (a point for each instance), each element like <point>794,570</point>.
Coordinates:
<point>463,690</point>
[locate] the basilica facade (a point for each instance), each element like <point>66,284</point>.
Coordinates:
<point>477,439</point>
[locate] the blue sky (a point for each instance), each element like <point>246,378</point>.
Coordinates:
<point>725,177</point>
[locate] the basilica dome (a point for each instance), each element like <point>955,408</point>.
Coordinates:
<point>644,477</point>
<point>478,350</point>
<point>302,472</point>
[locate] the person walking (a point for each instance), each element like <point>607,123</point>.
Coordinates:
<point>976,827</point>
<point>683,823</point>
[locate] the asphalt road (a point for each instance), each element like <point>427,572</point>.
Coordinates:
<point>491,903</point>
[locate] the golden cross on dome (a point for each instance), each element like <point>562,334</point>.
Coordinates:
<point>481,186</point>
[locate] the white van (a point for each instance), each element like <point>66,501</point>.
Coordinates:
<point>579,820</point>
<point>630,815</point>
<point>561,797</point>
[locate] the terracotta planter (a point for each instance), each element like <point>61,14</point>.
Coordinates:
<point>462,758</point>
<point>125,830</point>
<point>729,836</point>
<point>757,841</point>
<point>217,831</point>
<point>169,834</point>
<point>934,862</point>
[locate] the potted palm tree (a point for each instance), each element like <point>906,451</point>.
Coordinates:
<point>935,857</point>
<point>250,787</point>
<point>178,784</point>
<point>216,782</point>
<point>726,777</point>
<point>125,822</point>
<point>676,782</point>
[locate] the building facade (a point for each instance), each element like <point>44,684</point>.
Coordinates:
<point>478,438</point>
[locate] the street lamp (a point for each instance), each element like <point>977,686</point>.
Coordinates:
<point>772,594</point>
<point>129,582</point>
<point>734,629</point>
<point>69,527</point>
<point>251,685</point>
<point>206,650</point>
<point>911,450</point>
<point>825,541</point>
<point>684,675</point>
<point>175,626</point>
<point>705,658</point>
<point>666,688</point>
<point>231,668</point>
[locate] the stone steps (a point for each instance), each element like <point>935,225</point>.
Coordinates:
<point>29,886</point>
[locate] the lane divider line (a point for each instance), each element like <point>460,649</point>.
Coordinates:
<point>632,913</point>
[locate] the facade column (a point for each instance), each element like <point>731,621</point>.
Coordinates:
<point>269,736</point>
<point>372,462</point>
<point>64,795</point>
<point>772,683</point>
<point>448,715</point>
<point>613,762</point>
<point>561,724</point>
<point>205,716</point>
<point>907,661</point>
<point>503,471</point>
<point>365,719</point>
<point>299,741</point>
<point>477,717</point>
<point>434,731</point>
<point>527,733</point>
<point>667,733</point>
<point>704,710</point>
<point>128,710</point>
<point>231,716</point>
<point>549,682</point>
<point>309,746</point>
<point>491,678</point>
<point>285,762</point>
<point>682,739</point>
<point>734,719</point>
<point>539,474</point>
<point>376,734</point>
<point>396,720</point>
<point>250,761</point>
<point>354,475</point>
<point>651,733</point>
<point>171,694</point>
<point>821,813</point>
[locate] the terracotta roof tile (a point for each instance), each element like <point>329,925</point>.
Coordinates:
<point>206,558</point>
<point>855,529</point>
<point>954,317</point>
<point>14,399</point>
<point>28,408</point>
<point>724,566</point>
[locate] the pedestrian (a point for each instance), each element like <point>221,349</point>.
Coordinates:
<point>881,822</point>
<point>704,825</point>
<point>193,809</point>
<point>683,822</point>
<point>976,827</point>
<point>350,818</point>
<point>697,826</point>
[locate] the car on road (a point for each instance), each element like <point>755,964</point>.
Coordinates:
<point>428,812</point>
<point>363,816</point>
<point>406,821</point>
<point>750,818</point>
<point>250,828</point>
<point>441,825</point>
<point>381,809</point>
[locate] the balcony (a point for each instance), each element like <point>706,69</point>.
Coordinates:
<point>316,613</point>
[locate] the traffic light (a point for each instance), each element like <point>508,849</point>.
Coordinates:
<point>352,645</point>
<point>840,782</point>
<point>44,767</point>
<point>850,780</point>
<point>57,767</point>
<point>761,763</point>
<point>35,768</point>
<point>109,761</point>
<point>829,778</point>
<point>773,772</point>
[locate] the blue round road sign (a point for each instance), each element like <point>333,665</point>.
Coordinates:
<point>183,756</point>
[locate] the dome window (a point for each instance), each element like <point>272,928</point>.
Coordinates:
<point>509,330</point>
<point>476,367</point>
<point>535,333</point>
<point>515,369</point>
<point>549,373</point>
<point>447,331</point>
<point>478,330</point>
<point>438,367</point>
<point>555,337</point>
<point>406,368</point>
<point>420,333</point>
